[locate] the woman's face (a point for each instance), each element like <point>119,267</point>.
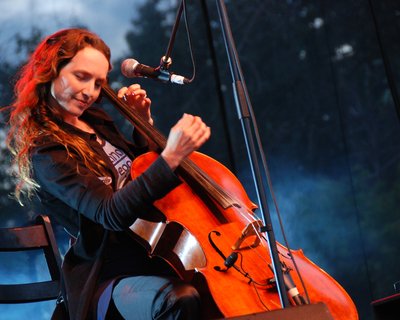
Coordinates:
<point>79,82</point>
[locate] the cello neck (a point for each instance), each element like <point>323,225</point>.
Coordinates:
<point>131,115</point>
<point>187,169</point>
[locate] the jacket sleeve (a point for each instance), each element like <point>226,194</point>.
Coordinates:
<point>56,173</point>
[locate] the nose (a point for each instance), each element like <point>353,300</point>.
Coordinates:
<point>89,90</point>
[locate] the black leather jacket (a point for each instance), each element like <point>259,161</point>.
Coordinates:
<point>95,212</point>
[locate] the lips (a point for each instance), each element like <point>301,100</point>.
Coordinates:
<point>82,103</point>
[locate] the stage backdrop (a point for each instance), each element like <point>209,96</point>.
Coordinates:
<point>322,77</point>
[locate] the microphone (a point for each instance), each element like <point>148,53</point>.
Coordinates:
<point>131,68</point>
<point>229,262</point>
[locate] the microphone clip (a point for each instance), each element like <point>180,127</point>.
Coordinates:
<point>229,262</point>
<point>165,63</point>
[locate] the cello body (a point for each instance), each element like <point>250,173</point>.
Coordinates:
<point>199,233</point>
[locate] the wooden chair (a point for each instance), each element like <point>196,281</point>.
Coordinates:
<point>40,237</point>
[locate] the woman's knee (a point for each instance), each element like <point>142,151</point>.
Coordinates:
<point>149,297</point>
<point>187,295</point>
<point>181,302</point>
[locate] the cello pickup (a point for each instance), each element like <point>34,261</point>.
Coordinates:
<point>252,229</point>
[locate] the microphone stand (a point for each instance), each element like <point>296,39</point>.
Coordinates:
<point>244,109</point>
<point>166,59</point>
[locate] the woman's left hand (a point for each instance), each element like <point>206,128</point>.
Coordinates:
<point>136,97</point>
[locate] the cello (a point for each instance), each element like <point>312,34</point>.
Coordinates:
<point>211,238</point>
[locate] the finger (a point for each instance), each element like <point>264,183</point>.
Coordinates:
<point>194,136</point>
<point>185,120</point>
<point>137,96</point>
<point>201,135</point>
<point>131,90</point>
<point>122,92</point>
<point>189,125</point>
<point>143,103</point>
<point>187,128</point>
<point>139,101</point>
<point>139,92</point>
<point>134,87</point>
<point>196,125</point>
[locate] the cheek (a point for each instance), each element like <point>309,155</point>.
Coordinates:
<point>61,89</point>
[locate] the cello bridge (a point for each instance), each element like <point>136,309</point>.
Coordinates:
<point>251,230</point>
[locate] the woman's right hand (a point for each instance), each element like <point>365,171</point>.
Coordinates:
<point>186,136</point>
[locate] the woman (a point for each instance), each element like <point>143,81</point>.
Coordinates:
<point>70,154</point>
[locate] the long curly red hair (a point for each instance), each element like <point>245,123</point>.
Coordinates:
<point>32,117</point>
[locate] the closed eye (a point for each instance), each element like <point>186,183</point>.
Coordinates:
<point>80,76</point>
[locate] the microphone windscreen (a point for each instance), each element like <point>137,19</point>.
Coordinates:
<point>128,68</point>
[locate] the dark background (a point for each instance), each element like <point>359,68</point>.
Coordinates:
<point>322,77</point>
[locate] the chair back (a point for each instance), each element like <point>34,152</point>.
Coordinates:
<point>39,236</point>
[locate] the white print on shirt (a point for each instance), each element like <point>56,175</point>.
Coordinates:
<point>120,160</point>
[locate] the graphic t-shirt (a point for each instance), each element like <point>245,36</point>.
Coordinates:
<point>119,159</point>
